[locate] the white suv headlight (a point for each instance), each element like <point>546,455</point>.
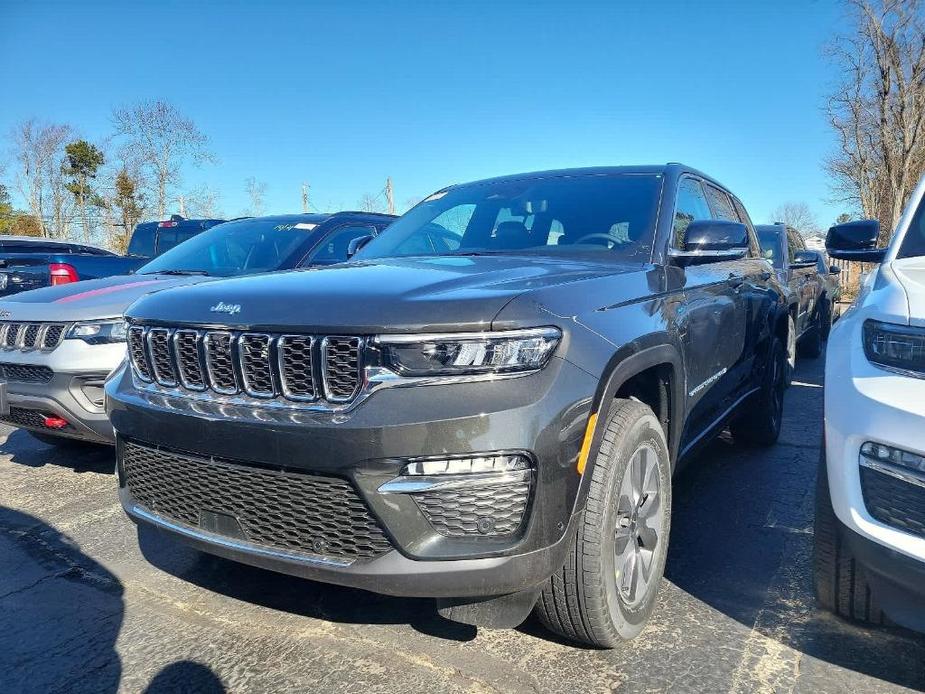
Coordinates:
<point>896,347</point>
<point>98,332</point>
<point>495,352</point>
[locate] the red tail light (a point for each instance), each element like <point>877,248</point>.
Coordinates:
<point>62,273</point>
<point>53,422</point>
<point>168,224</point>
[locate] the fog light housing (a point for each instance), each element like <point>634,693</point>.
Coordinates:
<point>881,453</point>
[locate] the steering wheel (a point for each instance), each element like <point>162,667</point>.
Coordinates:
<point>607,239</point>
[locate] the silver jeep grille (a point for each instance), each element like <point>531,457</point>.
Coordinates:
<point>31,336</point>
<point>299,368</point>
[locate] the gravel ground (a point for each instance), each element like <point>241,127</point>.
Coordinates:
<point>89,604</point>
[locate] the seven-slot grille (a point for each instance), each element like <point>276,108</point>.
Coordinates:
<point>30,336</point>
<point>282,509</point>
<point>301,368</point>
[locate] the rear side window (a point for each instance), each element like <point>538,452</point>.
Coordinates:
<point>692,204</point>
<point>142,242</point>
<point>719,203</point>
<point>754,247</point>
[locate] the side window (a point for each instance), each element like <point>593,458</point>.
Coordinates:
<point>792,247</point>
<point>719,203</point>
<point>142,242</point>
<point>796,240</point>
<point>691,205</point>
<point>187,234</point>
<point>334,247</point>
<point>443,234</point>
<point>754,247</point>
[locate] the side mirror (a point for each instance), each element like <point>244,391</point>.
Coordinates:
<point>711,240</point>
<point>357,243</point>
<point>855,241</point>
<point>803,259</point>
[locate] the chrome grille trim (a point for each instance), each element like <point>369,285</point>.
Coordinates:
<point>321,373</point>
<point>189,359</point>
<point>256,367</point>
<point>31,336</point>
<point>160,358</point>
<point>284,346</point>
<point>138,353</point>
<point>217,357</point>
<point>341,365</point>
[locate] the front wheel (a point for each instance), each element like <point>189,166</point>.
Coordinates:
<point>606,590</point>
<point>760,424</point>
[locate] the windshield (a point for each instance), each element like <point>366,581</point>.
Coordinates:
<point>770,244</point>
<point>613,214</point>
<point>243,247</point>
<point>913,244</point>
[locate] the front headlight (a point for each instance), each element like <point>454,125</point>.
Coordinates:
<point>895,346</point>
<point>98,332</point>
<point>452,354</point>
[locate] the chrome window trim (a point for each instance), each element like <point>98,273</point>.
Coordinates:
<point>280,346</point>
<point>206,341</point>
<point>155,372</point>
<point>244,382</point>
<point>361,344</point>
<point>181,374</point>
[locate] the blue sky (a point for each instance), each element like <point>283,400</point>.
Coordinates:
<point>344,94</point>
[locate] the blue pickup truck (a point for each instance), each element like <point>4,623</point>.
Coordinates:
<point>28,262</point>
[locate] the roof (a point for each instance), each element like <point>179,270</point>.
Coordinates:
<point>661,169</point>
<point>46,240</point>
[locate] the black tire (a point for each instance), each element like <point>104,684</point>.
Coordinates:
<point>810,344</point>
<point>825,319</point>
<point>760,424</point>
<point>582,601</point>
<point>840,583</point>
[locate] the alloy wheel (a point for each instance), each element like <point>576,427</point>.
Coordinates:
<point>639,526</point>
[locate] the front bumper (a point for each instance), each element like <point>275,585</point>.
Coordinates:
<point>78,372</point>
<point>543,414</point>
<point>866,403</point>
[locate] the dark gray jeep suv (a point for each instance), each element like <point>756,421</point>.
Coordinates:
<point>485,407</point>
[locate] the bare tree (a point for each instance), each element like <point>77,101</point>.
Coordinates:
<point>878,109</point>
<point>162,139</point>
<point>203,201</point>
<point>38,150</point>
<point>370,203</point>
<point>797,215</point>
<point>256,192</point>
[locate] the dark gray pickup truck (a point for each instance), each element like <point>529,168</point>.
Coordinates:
<point>485,407</point>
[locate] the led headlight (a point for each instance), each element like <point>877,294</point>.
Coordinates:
<point>895,346</point>
<point>502,462</point>
<point>98,332</point>
<point>497,352</point>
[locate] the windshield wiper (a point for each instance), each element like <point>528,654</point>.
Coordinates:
<point>177,272</point>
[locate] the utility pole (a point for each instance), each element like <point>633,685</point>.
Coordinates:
<point>305,188</point>
<point>389,199</point>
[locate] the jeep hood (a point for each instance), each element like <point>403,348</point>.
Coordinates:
<point>910,272</point>
<point>88,300</point>
<point>381,295</point>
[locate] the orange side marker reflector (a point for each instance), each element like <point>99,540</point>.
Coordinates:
<point>586,444</point>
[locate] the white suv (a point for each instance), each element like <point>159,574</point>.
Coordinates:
<point>870,504</point>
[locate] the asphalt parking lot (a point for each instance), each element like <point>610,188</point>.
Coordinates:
<point>88,604</point>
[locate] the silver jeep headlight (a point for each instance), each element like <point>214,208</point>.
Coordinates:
<point>896,347</point>
<point>98,332</point>
<point>452,354</point>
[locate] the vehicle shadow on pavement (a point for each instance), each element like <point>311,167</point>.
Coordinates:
<point>23,449</point>
<point>185,676</point>
<point>60,612</point>
<point>742,543</point>
<point>295,595</point>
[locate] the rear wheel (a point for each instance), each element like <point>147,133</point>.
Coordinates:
<point>841,586</point>
<point>811,343</point>
<point>825,319</point>
<point>760,423</point>
<point>606,590</point>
